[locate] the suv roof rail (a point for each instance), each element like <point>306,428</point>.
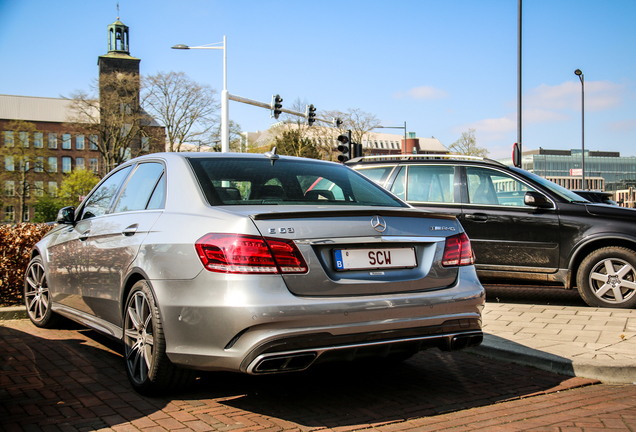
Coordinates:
<point>412,157</point>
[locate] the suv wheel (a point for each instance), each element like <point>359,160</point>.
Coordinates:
<point>607,278</point>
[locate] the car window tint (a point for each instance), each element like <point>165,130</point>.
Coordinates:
<point>98,203</point>
<point>377,174</point>
<point>399,185</point>
<point>430,183</point>
<point>486,186</point>
<point>139,187</point>
<point>158,198</point>
<point>245,181</point>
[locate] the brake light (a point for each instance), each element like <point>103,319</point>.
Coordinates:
<point>458,251</point>
<point>234,253</point>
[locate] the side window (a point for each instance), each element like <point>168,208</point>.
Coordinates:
<point>158,198</point>
<point>431,183</point>
<point>98,203</point>
<point>377,174</point>
<point>487,186</point>
<point>399,185</point>
<point>142,183</point>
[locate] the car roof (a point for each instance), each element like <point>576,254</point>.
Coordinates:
<point>413,158</point>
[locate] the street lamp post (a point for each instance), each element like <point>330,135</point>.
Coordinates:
<point>581,77</point>
<point>225,122</point>
<point>396,127</point>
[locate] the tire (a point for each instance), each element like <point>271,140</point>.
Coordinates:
<point>607,278</point>
<point>148,368</point>
<point>37,297</point>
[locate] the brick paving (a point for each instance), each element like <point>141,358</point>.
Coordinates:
<point>73,379</point>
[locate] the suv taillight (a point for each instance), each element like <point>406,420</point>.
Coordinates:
<point>235,253</point>
<point>458,251</point>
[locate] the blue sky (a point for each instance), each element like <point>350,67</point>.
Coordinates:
<point>441,66</point>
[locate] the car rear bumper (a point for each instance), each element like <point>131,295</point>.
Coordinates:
<point>255,325</point>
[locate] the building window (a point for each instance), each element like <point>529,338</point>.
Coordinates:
<point>52,140</point>
<point>93,142</point>
<point>9,188</point>
<point>24,164</point>
<point>53,189</point>
<point>79,163</point>
<point>25,216</point>
<point>39,189</point>
<point>145,144</point>
<point>79,142</point>
<point>39,164</point>
<point>38,139</point>
<point>24,139</point>
<point>66,164</point>
<point>93,165</point>
<point>52,164</point>
<point>8,138</point>
<point>9,213</point>
<point>8,163</point>
<point>66,141</point>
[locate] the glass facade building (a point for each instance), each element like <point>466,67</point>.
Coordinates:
<point>617,172</point>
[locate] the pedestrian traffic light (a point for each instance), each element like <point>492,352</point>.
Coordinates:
<point>277,104</point>
<point>311,114</point>
<point>344,147</point>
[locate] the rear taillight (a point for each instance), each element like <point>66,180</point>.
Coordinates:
<point>458,251</point>
<point>234,253</point>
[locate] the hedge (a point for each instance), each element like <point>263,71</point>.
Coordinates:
<point>16,242</point>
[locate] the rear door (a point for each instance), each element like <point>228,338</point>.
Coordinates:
<point>115,239</point>
<point>506,234</point>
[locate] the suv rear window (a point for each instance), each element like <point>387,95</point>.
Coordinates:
<point>242,181</point>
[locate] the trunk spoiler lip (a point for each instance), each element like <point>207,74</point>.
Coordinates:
<point>349,213</point>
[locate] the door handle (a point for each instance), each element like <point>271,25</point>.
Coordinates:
<point>477,217</point>
<point>131,230</point>
<point>84,235</point>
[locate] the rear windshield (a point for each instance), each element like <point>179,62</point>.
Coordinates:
<point>241,181</point>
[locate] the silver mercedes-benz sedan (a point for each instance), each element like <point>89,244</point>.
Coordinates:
<point>253,263</point>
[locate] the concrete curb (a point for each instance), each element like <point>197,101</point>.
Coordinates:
<point>13,313</point>
<point>618,371</point>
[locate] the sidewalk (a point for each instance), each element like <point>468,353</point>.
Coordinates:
<point>568,340</point>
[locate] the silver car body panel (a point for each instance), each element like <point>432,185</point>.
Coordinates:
<point>218,321</point>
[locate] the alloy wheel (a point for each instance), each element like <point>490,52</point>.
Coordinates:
<point>613,280</point>
<point>36,292</point>
<point>138,337</point>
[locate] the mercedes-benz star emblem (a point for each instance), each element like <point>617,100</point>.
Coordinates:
<point>378,223</point>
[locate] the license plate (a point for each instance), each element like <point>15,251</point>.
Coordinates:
<point>368,259</point>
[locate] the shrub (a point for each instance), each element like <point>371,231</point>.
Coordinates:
<point>16,242</point>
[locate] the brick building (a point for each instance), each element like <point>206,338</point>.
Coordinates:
<point>57,148</point>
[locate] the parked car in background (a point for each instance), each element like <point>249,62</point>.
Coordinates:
<point>597,196</point>
<point>253,263</point>
<point>523,228</point>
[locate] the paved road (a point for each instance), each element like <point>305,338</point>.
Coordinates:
<point>73,379</point>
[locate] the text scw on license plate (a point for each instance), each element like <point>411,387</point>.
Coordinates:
<point>362,259</point>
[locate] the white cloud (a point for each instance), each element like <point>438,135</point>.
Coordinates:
<point>621,126</point>
<point>423,92</point>
<point>599,95</point>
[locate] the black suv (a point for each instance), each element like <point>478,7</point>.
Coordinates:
<point>523,228</point>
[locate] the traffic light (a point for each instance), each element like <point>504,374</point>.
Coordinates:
<point>356,150</point>
<point>277,104</point>
<point>311,114</point>
<point>344,147</point>
<point>337,122</point>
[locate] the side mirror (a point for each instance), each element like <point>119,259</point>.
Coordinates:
<point>536,199</point>
<point>66,215</point>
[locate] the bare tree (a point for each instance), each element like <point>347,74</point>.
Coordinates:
<point>467,145</point>
<point>187,109</point>
<point>360,123</point>
<point>114,116</point>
